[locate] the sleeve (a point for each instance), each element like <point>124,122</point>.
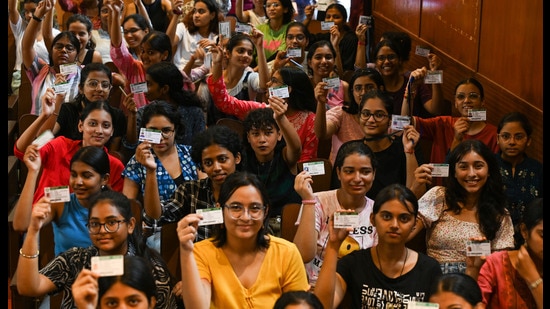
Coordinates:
<point>310,142</point>
<point>504,239</point>
<point>430,205</point>
<point>228,104</point>
<point>486,279</point>
<point>295,277</point>
<point>116,180</point>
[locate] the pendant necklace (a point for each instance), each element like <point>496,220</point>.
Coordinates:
<point>404,262</point>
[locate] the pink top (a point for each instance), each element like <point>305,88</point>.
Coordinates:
<point>501,284</point>
<point>303,121</point>
<point>56,158</point>
<point>347,129</point>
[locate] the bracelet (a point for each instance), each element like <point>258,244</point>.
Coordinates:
<point>361,43</point>
<point>38,252</point>
<point>409,151</point>
<point>309,202</point>
<point>533,285</point>
<point>38,19</point>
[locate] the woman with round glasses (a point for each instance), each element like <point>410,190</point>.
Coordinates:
<point>297,39</point>
<point>112,228</point>
<point>446,132</point>
<point>396,154</point>
<point>341,123</point>
<point>241,263</point>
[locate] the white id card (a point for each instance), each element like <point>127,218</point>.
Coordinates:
<point>210,216</point>
<point>477,114</point>
<point>281,92</point>
<point>224,29</point>
<point>421,51</point>
<point>43,139</point>
<point>332,82</point>
<point>421,305</point>
<point>109,265</point>
<point>59,194</point>
<point>346,219</point>
<point>434,77</point>
<point>399,121</point>
<point>326,25</point>
<point>440,170</point>
<point>294,52</point>
<point>314,168</point>
<point>478,248</point>
<point>139,87</point>
<point>68,68</point>
<point>150,135</point>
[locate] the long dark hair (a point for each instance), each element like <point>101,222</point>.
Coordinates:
<point>302,96</point>
<point>460,284</point>
<point>217,135</point>
<point>492,203</point>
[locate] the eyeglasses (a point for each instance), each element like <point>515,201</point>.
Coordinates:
<point>110,226</point>
<point>378,116</point>
<point>472,96</point>
<point>518,137</point>
<point>131,31</point>
<point>69,47</point>
<point>165,132</point>
<point>274,5</point>
<point>299,37</point>
<point>274,80</point>
<point>255,211</point>
<point>94,83</point>
<point>366,87</point>
<point>389,57</point>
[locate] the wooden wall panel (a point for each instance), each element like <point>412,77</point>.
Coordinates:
<point>511,44</point>
<point>511,72</point>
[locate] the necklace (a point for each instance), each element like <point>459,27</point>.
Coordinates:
<point>404,262</point>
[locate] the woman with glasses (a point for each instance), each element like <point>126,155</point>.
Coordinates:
<point>446,132</point>
<point>44,74</point>
<point>471,206</point>
<point>522,175</point>
<point>390,56</point>
<point>170,161</point>
<point>241,263</point>
<point>341,123</point>
<point>297,40</point>
<point>95,85</point>
<point>396,153</point>
<point>96,125</point>
<point>112,228</point>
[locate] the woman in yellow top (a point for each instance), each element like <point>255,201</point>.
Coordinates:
<point>241,266</point>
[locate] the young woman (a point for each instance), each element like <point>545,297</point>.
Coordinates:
<point>44,74</point>
<point>254,15</point>
<point>90,174</point>
<point>297,37</point>
<point>241,255</point>
<point>341,123</point>
<point>135,288</point>
<point>386,275</point>
<point>356,168</point>
<point>170,161</point>
<point>96,125</point>
<point>515,276</point>
<point>218,152</point>
<point>95,85</point>
<point>522,175</point>
<point>320,61</point>
<point>300,103</point>
<point>112,229</point>
<point>472,204</point>
<point>199,29</point>
<point>279,14</point>
<point>134,28</point>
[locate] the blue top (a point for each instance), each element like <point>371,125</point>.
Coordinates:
<point>70,229</point>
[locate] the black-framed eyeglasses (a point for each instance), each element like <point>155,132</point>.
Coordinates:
<point>110,226</point>
<point>518,137</point>
<point>167,132</point>
<point>131,30</point>
<point>59,47</point>
<point>105,85</point>
<point>472,96</point>
<point>378,116</point>
<point>255,211</point>
<point>389,57</point>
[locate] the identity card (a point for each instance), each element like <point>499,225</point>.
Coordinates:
<point>108,265</point>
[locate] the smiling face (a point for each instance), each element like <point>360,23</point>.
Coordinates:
<point>133,34</point>
<point>243,227</point>
<point>218,162</point>
<point>356,174</point>
<point>168,136</point>
<point>98,79</point>
<point>374,118</point>
<point>97,128</point>
<point>322,61</point>
<point>85,181</point>
<point>467,96</point>
<point>241,54</point>
<point>472,172</point>
<point>387,62</point>
<point>110,243</point>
